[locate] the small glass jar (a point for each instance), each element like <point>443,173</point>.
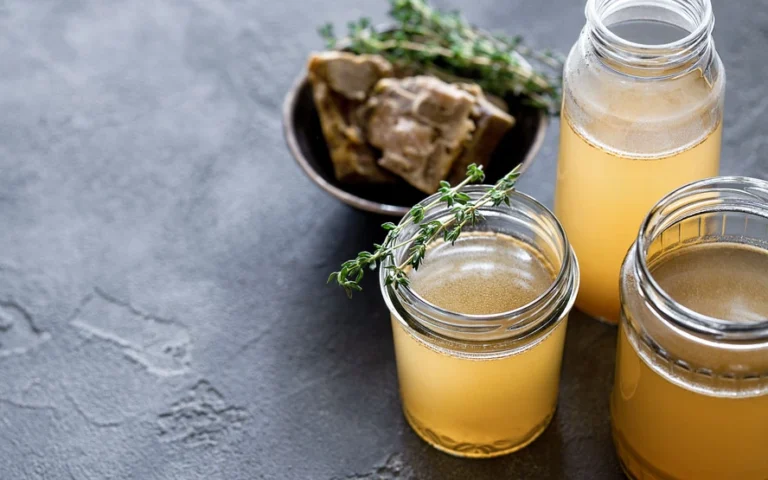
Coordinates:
<point>643,92</point>
<point>690,398</point>
<point>485,385</point>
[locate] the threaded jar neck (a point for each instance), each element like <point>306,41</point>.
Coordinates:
<point>710,204</point>
<point>651,60</point>
<point>526,220</point>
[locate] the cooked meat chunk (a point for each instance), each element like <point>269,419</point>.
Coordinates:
<point>340,84</point>
<point>491,124</point>
<point>420,124</point>
<point>350,75</point>
<point>419,128</point>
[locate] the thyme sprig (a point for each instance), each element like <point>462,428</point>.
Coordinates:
<point>464,212</point>
<point>444,43</point>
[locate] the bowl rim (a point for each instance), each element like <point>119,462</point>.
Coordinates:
<point>289,108</point>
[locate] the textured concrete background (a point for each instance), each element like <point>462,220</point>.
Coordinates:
<point>163,308</point>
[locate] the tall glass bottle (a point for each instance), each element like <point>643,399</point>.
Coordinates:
<point>642,115</point>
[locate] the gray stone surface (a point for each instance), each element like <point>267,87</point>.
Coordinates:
<point>163,308</point>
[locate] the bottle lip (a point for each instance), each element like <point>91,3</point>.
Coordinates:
<point>712,195</point>
<point>557,298</point>
<point>652,61</point>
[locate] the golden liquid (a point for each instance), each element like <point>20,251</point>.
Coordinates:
<point>664,430</point>
<point>469,406</point>
<point>601,199</point>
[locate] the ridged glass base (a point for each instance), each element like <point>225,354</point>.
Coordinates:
<point>473,450</point>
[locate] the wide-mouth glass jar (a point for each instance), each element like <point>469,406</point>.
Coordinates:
<point>642,113</point>
<point>476,381</point>
<point>690,398</point>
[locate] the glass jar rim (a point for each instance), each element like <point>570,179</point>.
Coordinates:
<point>754,201</point>
<point>704,26</point>
<point>568,275</point>
<point>660,61</point>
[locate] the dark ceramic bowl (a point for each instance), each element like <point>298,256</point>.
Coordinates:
<point>301,126</point>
